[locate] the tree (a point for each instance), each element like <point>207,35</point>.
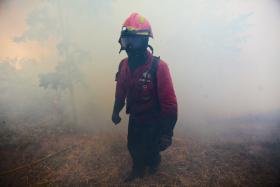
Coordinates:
<point>48,21</point>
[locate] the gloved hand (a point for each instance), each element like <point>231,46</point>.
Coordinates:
<point>167,133</point>
<point>116,118</point>
<point>165,142</point>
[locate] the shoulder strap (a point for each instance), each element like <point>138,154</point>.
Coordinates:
<point>153,69</point>
<point>119,69</point>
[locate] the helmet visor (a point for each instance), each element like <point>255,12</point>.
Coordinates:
<point>134,42</point>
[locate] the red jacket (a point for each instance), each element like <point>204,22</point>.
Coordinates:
<point>142,96</point>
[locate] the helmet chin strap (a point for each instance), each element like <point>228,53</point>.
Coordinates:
<point>121,46</point>
<point>121,50</point>
<point>151,48</point>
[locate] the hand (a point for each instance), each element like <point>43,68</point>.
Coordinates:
<point>116,118</point>
<point>165,142</point>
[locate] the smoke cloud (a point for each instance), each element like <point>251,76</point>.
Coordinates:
<point>223,56</point>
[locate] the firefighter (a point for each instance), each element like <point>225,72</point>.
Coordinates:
<point>145,86</point>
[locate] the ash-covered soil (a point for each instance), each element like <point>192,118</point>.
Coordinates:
<point>53,155</point>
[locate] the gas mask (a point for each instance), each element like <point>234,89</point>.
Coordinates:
<point>133,42</point>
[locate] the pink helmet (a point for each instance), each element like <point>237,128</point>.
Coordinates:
<point>138,25</point>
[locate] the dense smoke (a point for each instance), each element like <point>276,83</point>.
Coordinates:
<point>223,57</point>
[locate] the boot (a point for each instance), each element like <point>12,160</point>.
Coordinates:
<point>135,173</point>
<point>153,169</point>
<point>154,166</point>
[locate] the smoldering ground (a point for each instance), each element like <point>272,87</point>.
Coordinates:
<point>58,60</point>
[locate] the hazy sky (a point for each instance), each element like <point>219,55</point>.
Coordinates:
<point>223,54</point>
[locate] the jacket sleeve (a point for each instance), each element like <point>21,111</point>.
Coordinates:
<point>167,98</point>
<point>121,90</point>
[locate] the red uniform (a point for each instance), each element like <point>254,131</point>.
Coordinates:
<point>146,99</point>
<point>144,84</point>
<point>152,105</point>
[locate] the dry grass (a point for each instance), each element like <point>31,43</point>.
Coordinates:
<point>101,159</point>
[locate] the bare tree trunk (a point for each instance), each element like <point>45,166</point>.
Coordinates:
<point>58,109</point>
<point>69,68</point>
<point>74,119</point>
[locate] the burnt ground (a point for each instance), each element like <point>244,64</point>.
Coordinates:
<point>52,155</point>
